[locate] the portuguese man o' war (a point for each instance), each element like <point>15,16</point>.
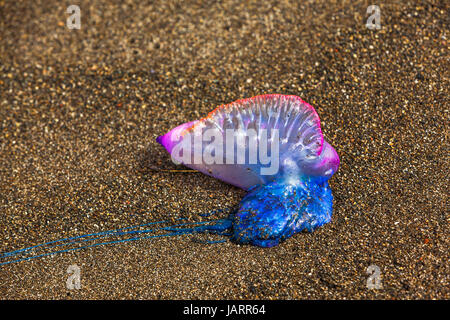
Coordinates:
<point>270,145</point>
<point>273,147</point>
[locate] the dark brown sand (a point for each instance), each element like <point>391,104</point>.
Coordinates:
<point>80,111</point>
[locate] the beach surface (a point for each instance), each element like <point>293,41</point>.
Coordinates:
<point>80,110</point>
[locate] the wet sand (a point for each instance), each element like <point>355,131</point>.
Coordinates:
<point>80,111</point>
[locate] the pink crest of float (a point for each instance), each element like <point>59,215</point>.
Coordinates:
<point>303,153</point>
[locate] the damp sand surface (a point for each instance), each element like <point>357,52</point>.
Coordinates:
<point>80,111</point>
